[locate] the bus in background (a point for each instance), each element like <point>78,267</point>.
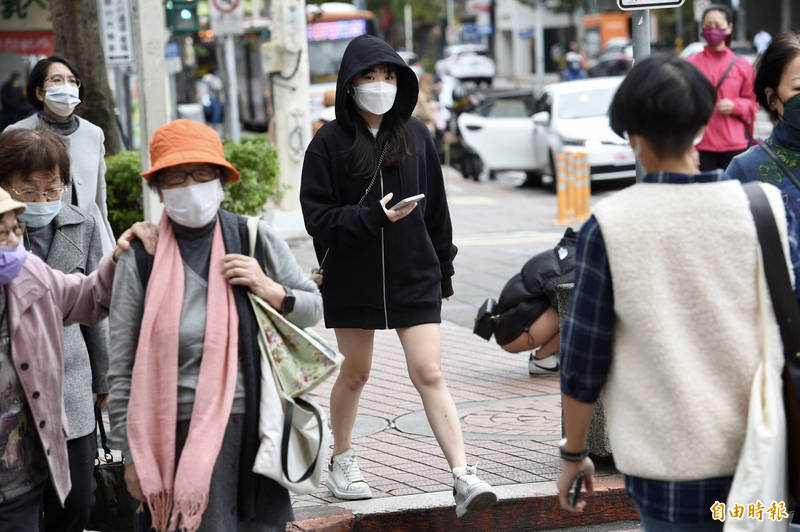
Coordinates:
<point>330,28</point>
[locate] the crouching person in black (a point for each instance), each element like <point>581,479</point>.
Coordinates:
<point>526,315</point>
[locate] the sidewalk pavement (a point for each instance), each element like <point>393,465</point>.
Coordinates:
<point>511,424</point>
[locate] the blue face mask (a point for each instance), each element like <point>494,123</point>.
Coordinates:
<point>40,214</point>
<point>11,261</point>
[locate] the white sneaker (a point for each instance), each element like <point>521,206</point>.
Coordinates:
<point>472,495</point>
<point>344,478</point>
<point>548,365</point>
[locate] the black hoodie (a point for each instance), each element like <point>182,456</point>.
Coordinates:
<point>378,274</point>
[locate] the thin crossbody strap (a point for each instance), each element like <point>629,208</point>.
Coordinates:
<point>784,301</point>
<point>725,75</point>
<point>369,187</point>
<point>785,169</point>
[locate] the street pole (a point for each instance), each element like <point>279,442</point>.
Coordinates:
<point>451,18</point>
<point>292,120</point>
<point>641,50</point>
<point>786,16</point>
<point>232,90</point>
<point>149,31</point>
<point>539,50</point>
<point>409,30</point>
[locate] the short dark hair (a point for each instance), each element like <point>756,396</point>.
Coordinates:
<point>154,183</point>
<point>664,99</point>
<point>25,151</point>
<point>39,75</point>
<point>771,65</point>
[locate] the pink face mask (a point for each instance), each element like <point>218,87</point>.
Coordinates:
<point>714,36</point>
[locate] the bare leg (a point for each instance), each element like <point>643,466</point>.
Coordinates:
<point>424,360</point>
<point>543,332</point>
<point>356,346</point>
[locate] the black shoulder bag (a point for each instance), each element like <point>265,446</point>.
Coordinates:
<point>787,315</point>
<point>318,274</point>
<point>747,134</point>
<point>113,505</point>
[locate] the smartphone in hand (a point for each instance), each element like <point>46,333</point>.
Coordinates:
<point>407,201</point>
<point>576,490</point>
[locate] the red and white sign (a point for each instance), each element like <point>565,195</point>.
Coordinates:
<point>27,42</point>
<point>227,17</point>
<point>475,7</point>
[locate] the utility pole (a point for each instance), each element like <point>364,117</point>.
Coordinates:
<point>290,80</point>
<point>641,50</point>
<point>539,50</point>
<point>150,35</point>
<point>786,16</point>
<point>408,27</point>
<point>234,129</point>
<point>451,19</point>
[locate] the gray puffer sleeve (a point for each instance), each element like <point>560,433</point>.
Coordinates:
<point>282,267</point>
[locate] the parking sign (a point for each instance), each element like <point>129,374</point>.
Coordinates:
<point>630,5</point>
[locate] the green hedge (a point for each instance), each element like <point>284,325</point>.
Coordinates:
<point>254,157</point>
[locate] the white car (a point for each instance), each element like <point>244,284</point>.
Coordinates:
<point>467,62</point>
<point>514,131</point>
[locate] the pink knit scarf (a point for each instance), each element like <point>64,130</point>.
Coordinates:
<point>177,499</point>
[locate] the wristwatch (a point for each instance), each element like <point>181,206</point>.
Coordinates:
<point>569,456</point>
<point>288,301</point>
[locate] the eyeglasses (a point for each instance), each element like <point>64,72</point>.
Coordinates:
<point>58,79</point>
<point>29,196</point>
<point>174,178</point>
<point>18,229</point>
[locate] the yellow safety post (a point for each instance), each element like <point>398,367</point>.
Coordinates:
<point>584,186</point>
<point>561,189</point>
<point>570,184</point>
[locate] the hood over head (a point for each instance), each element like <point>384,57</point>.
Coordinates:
<point>364,52</point>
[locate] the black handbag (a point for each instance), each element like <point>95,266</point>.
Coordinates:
<point>113,506</point>
<point>787,314</point>
<point>484,321</point>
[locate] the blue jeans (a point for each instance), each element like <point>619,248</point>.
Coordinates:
<point>651,524</point>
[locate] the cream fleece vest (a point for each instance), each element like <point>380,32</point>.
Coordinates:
<point>686,339</point>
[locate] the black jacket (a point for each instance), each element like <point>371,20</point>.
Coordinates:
<point>531,291</point>
<point>378,274</point>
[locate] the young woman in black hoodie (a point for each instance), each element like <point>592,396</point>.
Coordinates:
<point>384,267</point>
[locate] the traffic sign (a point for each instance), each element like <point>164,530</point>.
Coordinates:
<point>116,33</point>
<point>631,5</point>
<point>227,17</point>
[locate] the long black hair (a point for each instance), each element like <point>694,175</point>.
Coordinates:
<point>362,156</point>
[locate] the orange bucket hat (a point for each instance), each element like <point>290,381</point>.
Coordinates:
<point>186,141</point>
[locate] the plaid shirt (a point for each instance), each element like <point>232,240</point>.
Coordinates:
<point>586,351</point>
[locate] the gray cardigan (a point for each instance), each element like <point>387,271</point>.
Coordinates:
<point>75,248</point>
<point>127,307</point>
<point>87,169</point>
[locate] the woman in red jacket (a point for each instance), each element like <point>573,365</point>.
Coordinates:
<point>727,133</point>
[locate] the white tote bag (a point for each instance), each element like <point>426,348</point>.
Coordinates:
<point>761,473</point>
<point>306,437</point>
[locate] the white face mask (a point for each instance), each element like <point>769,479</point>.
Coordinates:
<point>637,150</point>
<point>376,97</point>
<point>62,99</point>
<point>195,205</point>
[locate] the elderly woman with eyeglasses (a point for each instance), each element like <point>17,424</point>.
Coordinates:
<point>55,89</point>
<point>184,370</point>
<point>38,305</point>
<point>67,239</point>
